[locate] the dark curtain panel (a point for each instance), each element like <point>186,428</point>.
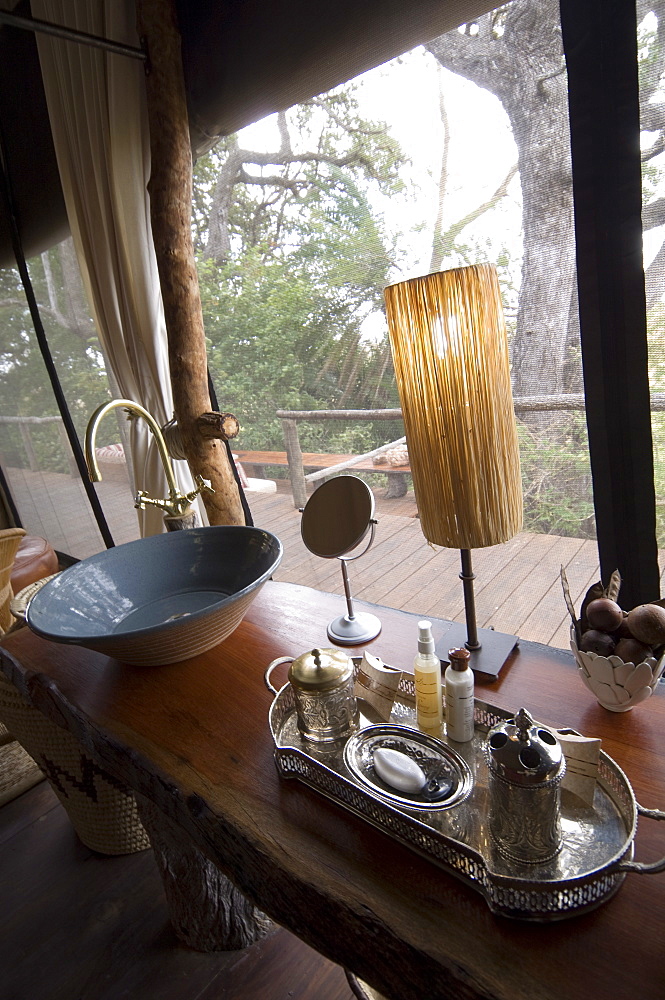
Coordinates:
<point>601,55</point>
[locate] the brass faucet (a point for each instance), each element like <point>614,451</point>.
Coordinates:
<point>177,503</point>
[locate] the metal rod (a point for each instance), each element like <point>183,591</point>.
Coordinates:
<point>347,589</point>
<point>467,576</point>
<point>71,35</point>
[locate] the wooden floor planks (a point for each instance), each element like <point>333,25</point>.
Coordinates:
<point>78,926</point>
<point>517,584</point>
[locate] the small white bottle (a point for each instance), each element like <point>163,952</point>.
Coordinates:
<point>427,676</point>
<point>459,696</point>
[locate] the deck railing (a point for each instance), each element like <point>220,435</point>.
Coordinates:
<point>291,418</point>
<point>25,425</point>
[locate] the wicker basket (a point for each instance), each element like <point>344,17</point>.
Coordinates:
<point>18,771</point>
<point>10,539</point>
<point>103,812</point>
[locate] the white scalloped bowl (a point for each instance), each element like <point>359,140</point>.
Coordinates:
<point>617,686</point>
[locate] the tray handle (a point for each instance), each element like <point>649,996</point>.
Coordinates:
<point>639,867</point>
<point>271,667</point>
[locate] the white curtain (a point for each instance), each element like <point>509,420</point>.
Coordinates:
<point>97,109</point>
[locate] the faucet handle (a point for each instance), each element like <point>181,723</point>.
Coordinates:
<point>202,486</point>
<point>143,500</point>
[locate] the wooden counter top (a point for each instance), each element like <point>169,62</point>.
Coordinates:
<point>193,737</point>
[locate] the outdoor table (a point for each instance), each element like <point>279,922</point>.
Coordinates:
<point>192,741</point>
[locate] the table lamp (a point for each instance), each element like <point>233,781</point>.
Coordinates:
<point>450,351</point>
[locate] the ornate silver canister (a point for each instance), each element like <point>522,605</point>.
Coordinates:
<point>526,765</point>
<point>322,682</point>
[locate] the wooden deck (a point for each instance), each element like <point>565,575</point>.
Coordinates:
<point>517,584</point>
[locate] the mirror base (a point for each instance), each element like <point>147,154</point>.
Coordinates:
<point>352,631</point>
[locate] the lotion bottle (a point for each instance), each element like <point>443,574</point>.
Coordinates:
<point>427,676</point>
<point>459,696</point>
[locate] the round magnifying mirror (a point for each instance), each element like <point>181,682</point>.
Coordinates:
<point>337,516</point>
<point>336,519</point>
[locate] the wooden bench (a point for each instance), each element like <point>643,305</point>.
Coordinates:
<point>317,461</point>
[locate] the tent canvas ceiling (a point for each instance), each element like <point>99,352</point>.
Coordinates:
<point>242,59</point>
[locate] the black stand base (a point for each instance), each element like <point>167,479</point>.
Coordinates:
<point>495,648</point>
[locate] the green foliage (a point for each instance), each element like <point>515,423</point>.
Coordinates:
<point>556,479</point>
<point>306,263</point>
<point>24,386</point>
<point>656,342</point>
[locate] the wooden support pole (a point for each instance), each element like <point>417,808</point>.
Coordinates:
<point>170,189</point>
<point>294,458</point>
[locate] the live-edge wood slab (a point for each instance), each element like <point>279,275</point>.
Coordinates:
<point>193,738</point>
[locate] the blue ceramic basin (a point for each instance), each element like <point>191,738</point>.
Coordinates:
<point>160,599</point>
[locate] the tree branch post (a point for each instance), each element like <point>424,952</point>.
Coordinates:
<point>170,189</point>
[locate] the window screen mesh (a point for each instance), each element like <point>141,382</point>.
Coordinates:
<point>454,153</point>
<point>651,54</point>
<point>36,457</point>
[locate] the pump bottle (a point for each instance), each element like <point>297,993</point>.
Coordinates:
<point>427,676</point>
<point>459,696</point>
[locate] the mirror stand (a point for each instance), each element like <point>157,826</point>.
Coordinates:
<point>351,629</point>
<point>335,520</point>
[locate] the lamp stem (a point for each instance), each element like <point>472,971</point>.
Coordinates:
<point>467,576</point>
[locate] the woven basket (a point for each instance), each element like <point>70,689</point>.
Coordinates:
<point>10,539</point>
<point>18,771</point>
<point>103,812</point>
<point>19,602</point>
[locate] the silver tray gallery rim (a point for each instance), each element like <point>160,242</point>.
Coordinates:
<point>601,846</point>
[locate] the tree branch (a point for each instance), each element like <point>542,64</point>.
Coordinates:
<point>285,138</point>
<point>480,58</point>
<point>13,303</point>
<point>652,117</point>
<point>272,180</point>
<point>283,159</point>
<point>653,215</point>
<point>438,237</point>
<point>653,278</point>
<point>453,231</point>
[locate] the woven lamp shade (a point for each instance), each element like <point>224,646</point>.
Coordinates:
<point>450,350</point>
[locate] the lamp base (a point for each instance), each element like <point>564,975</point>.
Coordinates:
<point>494,650</point>
<point>352,631</point>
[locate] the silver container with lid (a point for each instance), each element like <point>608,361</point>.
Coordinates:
<point>526,765</point>
<point>322,682</point>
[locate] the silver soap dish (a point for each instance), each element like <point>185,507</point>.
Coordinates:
<point>448,776</point>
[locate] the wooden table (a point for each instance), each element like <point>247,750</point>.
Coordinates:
<point>193,739</point>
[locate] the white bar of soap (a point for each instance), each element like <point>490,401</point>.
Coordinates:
<point>398,770</point>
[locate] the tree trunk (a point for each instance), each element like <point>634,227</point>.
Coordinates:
<point>170,190</point>
<point>523,66</point>
<point>207,911</point>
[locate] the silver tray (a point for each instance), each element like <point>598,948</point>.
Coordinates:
<point>598,839</point>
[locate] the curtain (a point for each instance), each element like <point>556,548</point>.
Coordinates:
<point>96,104</point>
<point>600,47</point>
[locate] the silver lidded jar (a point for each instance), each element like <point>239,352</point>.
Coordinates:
<point>326,707</point>
<point>526,765</point>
